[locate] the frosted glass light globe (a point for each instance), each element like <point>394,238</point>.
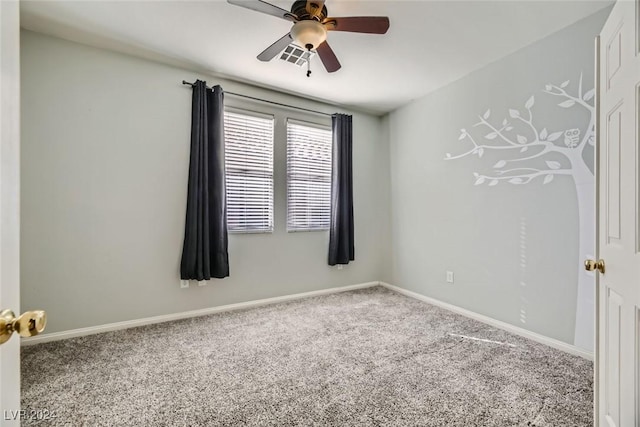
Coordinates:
<point>309,34</point>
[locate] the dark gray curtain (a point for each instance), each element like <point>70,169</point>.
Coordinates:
<point>204,253</point>
<point>341,244</point>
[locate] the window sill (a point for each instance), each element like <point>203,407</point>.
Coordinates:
<point>250,231</point>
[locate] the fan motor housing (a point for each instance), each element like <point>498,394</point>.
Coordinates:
<point>299,9</point>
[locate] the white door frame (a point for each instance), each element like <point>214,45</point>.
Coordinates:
<point>596,170</point>
<point>10,204</point>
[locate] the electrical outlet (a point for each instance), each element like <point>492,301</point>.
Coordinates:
<point>184,283</point>
<point>449,276</point>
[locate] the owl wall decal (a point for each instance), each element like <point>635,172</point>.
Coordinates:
<point>572,137</point>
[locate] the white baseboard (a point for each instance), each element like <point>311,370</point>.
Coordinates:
<point>551,342</point>
<point>56,336</point>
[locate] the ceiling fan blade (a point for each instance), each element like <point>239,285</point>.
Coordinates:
<point>328,57</point>
<point>314,7</point>
<point>269,53</point>
<point>264,7</point>
<point>358,24</point>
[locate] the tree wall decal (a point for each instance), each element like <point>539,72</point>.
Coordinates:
<point>532,152</point>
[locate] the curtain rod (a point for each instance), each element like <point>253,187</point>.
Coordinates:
<point>184,82</point>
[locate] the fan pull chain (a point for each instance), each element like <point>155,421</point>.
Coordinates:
<point>309,64</point>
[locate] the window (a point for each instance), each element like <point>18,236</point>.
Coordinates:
<point>249,167</point>
<point>308,176</point>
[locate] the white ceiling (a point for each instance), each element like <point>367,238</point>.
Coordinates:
<point>429,43</point>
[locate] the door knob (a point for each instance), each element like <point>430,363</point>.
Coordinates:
<point>28,324</point>
<point>592,265</point>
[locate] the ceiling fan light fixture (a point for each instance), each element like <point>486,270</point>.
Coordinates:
<point>309,34</point>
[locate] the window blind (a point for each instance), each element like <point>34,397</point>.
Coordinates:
<point>249,168</point>
<point>308,176</point>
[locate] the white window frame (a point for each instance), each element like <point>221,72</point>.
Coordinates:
<point>319,126</point>
<point>271,208</point>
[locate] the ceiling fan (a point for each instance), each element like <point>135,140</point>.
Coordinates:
<point>311,23</point>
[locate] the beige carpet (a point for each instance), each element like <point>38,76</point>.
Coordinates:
<point>362,358</point>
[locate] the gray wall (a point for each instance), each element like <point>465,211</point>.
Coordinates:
<point>105,145</point>
<point>514,248</point>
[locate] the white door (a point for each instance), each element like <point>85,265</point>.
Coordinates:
<point>618,375</point>
<point>9,204</point>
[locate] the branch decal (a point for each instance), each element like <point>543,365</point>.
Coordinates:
<point>519,132</point>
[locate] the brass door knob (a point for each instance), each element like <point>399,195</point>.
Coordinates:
<point>592,265</point>
<point>28,324</point>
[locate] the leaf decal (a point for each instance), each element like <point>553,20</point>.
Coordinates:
<point>491,135</point>
<point>508,128</point>
<point>554,136</point>
<point>547,179</point>
<point>493,182</point>
<point>522,139</point>
<point>587,96</point>
<point>529,103</point>
<point>547,87</point>
<point>543,134</point>
<point>515,180</point>
<point>564,84</point>
<point>553,165</point>
<point>486,114</point>
<point>504,122</point>
<point>476,174</point>
<point>462,135</point>
<point>480,152</point>
<point>500,164</point>
<point>448,155</point>
<point>479,181</point>
<point>514,113</point>
<point>523,149</point>
<point>568,103</point>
